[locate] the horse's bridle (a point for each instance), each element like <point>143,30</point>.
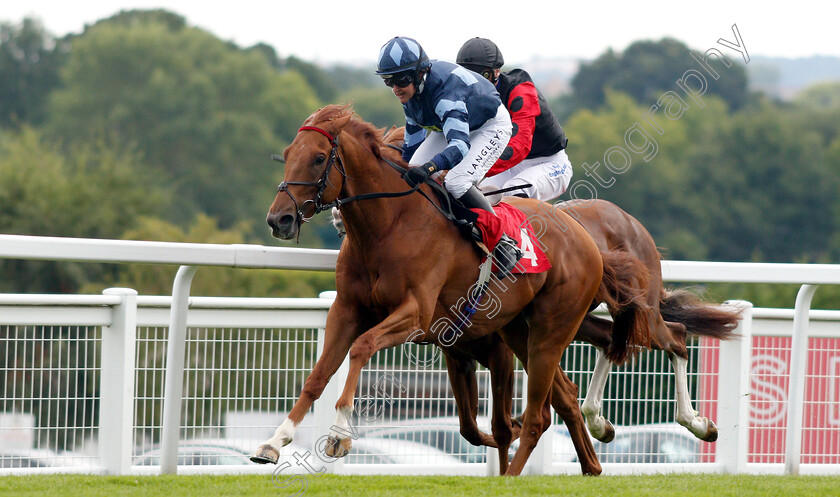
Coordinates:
<point>322,182</point>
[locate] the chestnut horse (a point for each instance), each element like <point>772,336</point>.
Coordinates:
<point>403,266</point>
<point>668,313</point>
<point>674,314</point>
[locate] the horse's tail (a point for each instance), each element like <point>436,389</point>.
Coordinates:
<point>698,316</point>
<point>624,290</point>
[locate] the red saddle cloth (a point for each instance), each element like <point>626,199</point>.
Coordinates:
<point>515,224</point>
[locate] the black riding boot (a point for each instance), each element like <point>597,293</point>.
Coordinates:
<point>506,253</point>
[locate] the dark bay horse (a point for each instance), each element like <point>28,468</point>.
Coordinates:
<point>403,267</point>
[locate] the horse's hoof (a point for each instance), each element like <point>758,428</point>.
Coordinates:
<point>711,432</point>
<point>338,447</point>
<point>265,454</point>
<point>609,433</point>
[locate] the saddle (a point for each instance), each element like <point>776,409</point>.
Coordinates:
<point>481,227</point>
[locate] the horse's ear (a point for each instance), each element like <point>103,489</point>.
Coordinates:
<point>334,126</point>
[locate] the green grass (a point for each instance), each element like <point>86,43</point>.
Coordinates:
<point>688,485</point>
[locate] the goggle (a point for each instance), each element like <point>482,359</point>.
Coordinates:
<point>400,80</point>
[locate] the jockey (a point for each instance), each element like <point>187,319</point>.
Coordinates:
<point>536,153</point>
<point>455,122</point>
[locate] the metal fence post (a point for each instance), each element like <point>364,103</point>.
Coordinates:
<point>116,394</point>
<point>796,390</point>
<point>174,383</point>
<point>733,394</point>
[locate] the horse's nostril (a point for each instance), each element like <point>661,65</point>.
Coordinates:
<point>277,221</point>
<point>287,220</point>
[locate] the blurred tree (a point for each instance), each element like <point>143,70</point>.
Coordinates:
<point>648,68</point>
<point>211,281</point>
<point>205,115</point>
<point>376,105</point>
<point>764,191</point>
<point>650,185</point>
<point>821,96</point>
<point>326,88</point>
<point>352,77</point>
<point>30,59</point>
<point>89,191</point>
<point>816,109</point>
<point>720,186</point>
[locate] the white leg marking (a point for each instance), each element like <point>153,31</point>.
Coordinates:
<point>591,407</point>
<point>283,435</point>
<point>686,415</point>
<point>341,428</point>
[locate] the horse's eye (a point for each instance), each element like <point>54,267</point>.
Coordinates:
<point>320,160</point>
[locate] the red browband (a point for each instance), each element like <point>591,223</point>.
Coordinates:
<point>319,130</point>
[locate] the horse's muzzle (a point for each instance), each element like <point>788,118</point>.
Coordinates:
<point>283,226</point>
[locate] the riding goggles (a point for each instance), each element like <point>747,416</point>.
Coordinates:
<point>400,80</point>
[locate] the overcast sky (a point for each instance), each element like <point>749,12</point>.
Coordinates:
<point>328,31</point>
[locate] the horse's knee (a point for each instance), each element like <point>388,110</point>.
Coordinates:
<point>361,350</point>
<point>530,435</point>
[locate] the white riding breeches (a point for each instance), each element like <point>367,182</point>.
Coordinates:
<point>486,145</point>
<point>549,177</point>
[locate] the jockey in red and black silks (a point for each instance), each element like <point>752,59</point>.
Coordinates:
<point>535,153</point>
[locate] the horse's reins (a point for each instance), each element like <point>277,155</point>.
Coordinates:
<point>323,182</point>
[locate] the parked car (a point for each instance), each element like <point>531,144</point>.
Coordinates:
<point>653,443</point>
<point>210,452</point>
<point>393,451</point>
<point>442,434</point>
<point>28,459</point>
<point>43,458</point>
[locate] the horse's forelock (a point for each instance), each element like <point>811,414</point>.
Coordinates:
<point>328,113</point>
<point>368,134</point>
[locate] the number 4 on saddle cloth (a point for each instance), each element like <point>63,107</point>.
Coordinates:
<point>512,222</point>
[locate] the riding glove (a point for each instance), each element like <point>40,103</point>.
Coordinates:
<point>417,175</point>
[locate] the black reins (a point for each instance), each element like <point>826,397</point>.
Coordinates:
<point>324,181</point>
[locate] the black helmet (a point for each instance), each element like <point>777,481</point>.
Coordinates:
<point>479,55</point>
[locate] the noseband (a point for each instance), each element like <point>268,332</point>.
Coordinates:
<point>322,182</point>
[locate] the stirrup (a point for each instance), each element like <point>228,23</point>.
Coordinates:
<point>507,254</point>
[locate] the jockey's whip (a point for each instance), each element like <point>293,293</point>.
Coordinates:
<point>509,189</point>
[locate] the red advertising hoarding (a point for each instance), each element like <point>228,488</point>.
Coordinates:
<point>769,385</point>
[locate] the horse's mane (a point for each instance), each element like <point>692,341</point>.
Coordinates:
<point>368,134</point>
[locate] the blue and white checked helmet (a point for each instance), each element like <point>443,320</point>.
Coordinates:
<point>401,54</point>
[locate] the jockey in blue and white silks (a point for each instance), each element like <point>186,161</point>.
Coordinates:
<point>454,121</point>
<point>463,113</point>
